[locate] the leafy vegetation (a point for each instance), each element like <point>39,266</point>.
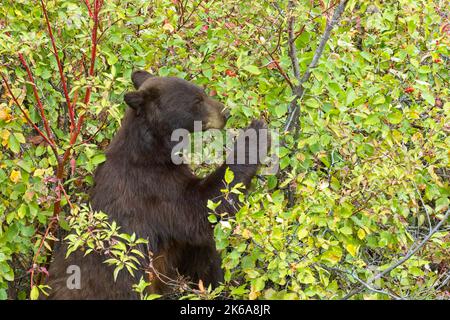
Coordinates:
<point>360,204</point>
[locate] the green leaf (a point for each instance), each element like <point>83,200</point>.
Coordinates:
<point>7,272</point>
<point>252,69</point>
<point>97,159</point>
<point>22,211</point>
<point>280,110</point>
<point>372,120</point>
<point>14,144</point>
<point>116,272</point>
<point>351,96</point>
<point>229,176</point>
<point>395,117</point>
<point>212,218</point>
<point>428,96</point>
<point>3,294</point>
<point>19,137</point>
<point>34,293</point>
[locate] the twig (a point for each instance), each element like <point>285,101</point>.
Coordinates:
<point>365,284</point>
<point>412,251</point>
<point>27,118</point>
<point>295,109</point>
<point>194,9</point>
<point>443,283</point>
<point>292,49</point>
<point>277,65</point>
<point>88,6</point>
<point>368,286</point>
<point>36,96</point>
<point>60,68</point>
<point>97,7</point>
<point>423,205</point>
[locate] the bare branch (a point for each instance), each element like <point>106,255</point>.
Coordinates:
<point>411,252</point>
<point>25,114</point>
<point>423,205</point>
<point>40,106</point>
<point>291,42</point>
<point>299,90</point>
<point>444,282</point>
<point>363,283</point>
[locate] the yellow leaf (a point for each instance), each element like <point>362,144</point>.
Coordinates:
<point>246,234</point>
<point>15,176</point>
<point>168,27</point>
<point>361,234</point>
<point>253,294</point>
<point>5,136</point>
<point>34,294</point>
<point>201,287</point>
<point>39,172</point>
<point>302,233</point>
<point>4,114</point>
<point>352,249</point>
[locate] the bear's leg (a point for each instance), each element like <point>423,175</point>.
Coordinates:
<point>201,263</point>
<point>82,277</point>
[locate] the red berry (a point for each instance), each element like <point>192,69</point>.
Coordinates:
<point>230,73</point>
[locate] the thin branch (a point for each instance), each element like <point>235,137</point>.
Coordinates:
<point>97,7</point>
<point>368,286</point>
<point>194,9</point>
<point>363,283</point>
<point>334,20</point>
<point>36,96</point>
<point>60,68</point>
<point>28,119</point>
<point>443,283</point>
<point>423,205</point>
<point>411,252</point>
<point>291,43</point>
<point>88,6</point>
<point>295,109</point>
<point>277,65</point>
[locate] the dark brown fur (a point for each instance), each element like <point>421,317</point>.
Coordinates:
<point>144,192</point>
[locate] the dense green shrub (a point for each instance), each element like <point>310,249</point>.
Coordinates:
<point>363,179</point>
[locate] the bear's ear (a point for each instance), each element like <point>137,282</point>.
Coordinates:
<point>138,77</point>
<point>134,100</point>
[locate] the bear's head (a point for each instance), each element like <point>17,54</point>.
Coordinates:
<point>168,103</point>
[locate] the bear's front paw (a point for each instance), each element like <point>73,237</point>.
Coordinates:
<point>253,145</point>
<point>264,138</point>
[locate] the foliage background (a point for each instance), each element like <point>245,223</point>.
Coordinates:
<point>362,180</point>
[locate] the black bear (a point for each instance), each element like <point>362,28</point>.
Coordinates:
<point>140,188</point>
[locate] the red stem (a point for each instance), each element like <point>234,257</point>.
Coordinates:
<point>86,2</point>
<point>8,88</point>
<point>60,68</point>
<point>63,160</point>
<point>94,48</point>
<point>41,244</point>
<point>97,6</point>
<point>36,96</point>
<point>75,130</point>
